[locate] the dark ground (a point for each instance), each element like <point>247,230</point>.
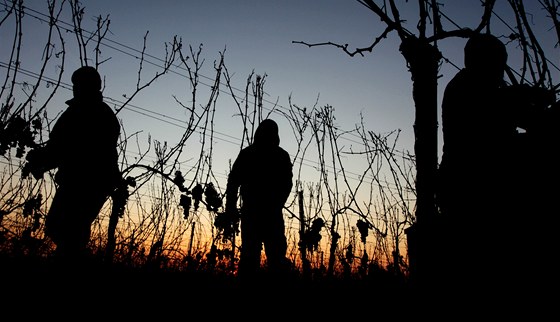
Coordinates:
<point>37,285</point>
<point>40,288</point>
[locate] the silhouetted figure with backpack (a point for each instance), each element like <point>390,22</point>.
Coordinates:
<point>262,175</point>
<point>82,146</point>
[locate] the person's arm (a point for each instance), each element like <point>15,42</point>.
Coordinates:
<point>286,176</point>
<point>233,183</point>
<point>46,157</point>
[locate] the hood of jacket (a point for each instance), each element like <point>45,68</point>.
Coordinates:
<point>267,134</point>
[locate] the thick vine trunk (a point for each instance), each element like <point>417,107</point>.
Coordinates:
<point>423,61</point>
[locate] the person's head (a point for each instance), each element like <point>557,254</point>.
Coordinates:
<point>86,80</point>
<point>485,53</point>
<point>267,133</point>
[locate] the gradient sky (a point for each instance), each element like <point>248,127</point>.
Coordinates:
<point>257,36</point>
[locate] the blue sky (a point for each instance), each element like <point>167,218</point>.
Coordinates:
<point>258,36</point>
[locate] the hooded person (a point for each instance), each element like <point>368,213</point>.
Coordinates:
<point>262,177</point>
<point>477,127</point>
<point>477,171</point>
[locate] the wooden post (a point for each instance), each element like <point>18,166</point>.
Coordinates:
<point>306,267</point>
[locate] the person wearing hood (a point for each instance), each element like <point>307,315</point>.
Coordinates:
<point>481,171</point>
<point>82,146</point>
<point>262,177</point>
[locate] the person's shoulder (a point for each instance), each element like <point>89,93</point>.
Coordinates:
<point>106,106</point>
<point>284,153</point>
<point>461,76</point>
<point>246,151</point>
<point>107,110</point>
<point>461,80</point>
<point>72,110</point>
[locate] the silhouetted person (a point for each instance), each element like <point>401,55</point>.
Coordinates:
<point>82,146</point>
<point>476,126</point>
<point>262,174</point>
<point>475,172</point>
<point>493,178</point>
